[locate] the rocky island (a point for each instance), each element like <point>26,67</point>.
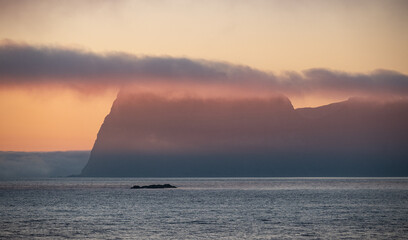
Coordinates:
<point>154,186</point>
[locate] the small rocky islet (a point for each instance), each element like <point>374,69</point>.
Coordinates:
<point>153,186</point>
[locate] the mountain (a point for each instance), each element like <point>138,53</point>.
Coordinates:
<point>147,135</point>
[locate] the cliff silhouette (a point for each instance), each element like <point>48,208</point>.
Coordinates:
<point>148,135</point>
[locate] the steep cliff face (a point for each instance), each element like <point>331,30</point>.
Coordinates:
<point>147,135</point>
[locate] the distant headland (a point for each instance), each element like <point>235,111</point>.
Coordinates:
<point>147,135</point>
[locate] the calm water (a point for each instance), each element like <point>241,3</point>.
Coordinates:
<point>239,208</point>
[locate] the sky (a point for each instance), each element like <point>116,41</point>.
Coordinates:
<point>63,62</point>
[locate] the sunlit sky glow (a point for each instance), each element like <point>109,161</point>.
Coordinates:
<point>274,37</point>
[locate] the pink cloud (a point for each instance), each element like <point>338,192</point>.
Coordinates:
<point>26,65</point>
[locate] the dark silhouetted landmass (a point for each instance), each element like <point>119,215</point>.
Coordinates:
<point>147,135</point>
<point>154,186</point>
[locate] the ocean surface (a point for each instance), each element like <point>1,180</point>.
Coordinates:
<point>205,208</point>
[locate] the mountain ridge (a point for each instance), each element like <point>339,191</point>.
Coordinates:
<point>149,135</point>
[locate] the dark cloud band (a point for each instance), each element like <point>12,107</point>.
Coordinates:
<point>24,64</point>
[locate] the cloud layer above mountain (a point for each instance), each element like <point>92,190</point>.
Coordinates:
<point>26,65</point>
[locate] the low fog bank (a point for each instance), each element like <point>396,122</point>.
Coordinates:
<point>41,164</point>
<point>277,164</point>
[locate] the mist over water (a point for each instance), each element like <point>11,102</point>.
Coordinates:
<point>205,208</point>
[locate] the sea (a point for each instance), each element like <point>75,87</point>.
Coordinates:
<point>204,208</point>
